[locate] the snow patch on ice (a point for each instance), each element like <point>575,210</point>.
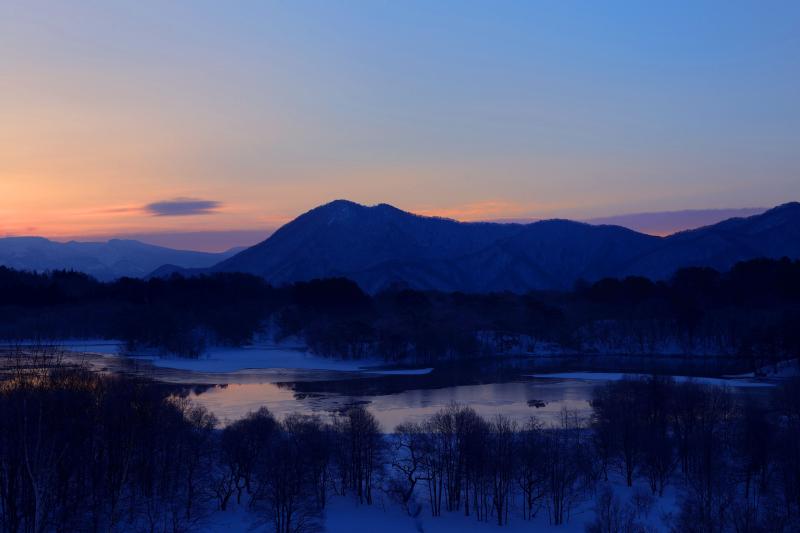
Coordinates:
<point>260,356</point>
<point>402,372</point>
<point>616,376</point>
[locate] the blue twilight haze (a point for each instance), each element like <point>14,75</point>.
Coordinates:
<point>474,110</point>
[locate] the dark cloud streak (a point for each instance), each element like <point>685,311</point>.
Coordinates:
<point>182,207</point>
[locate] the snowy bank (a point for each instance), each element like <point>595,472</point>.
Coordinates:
<point>615,376</point>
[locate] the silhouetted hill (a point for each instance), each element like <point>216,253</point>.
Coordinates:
<point>103,260</point>
<point>344,238</point>
<point>381,245</point>
<point>774,233</point>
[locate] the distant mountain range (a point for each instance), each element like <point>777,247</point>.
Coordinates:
<point>104,260</point>
<point>382,246</point>
<point>660,222</point>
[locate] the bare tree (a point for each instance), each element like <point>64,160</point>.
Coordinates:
<point>616,407</point>
<point>658,454</point>
<point>710,481</point>
<point>360,447</point>
<point>408,449</point>
<point>502,465</point>
<point>564,457</point>
<point>241,445</point>
<point>612,516</point>
<point>285,495</point>
<point>314,439</point>
<point>530,471</point>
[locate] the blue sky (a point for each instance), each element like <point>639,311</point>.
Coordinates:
<point>465,109</point>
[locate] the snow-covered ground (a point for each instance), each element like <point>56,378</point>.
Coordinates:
<point>260,356</point>
<point>221,359</point>
<point>779,370</point>
<point>345,515</point>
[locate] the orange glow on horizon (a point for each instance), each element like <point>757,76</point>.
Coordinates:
<point>493,210</point>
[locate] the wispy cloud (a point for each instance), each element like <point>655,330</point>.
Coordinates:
<point>668,222</point>
<point>472,211</point>
<point>119,210</point>
<point>182,207</point>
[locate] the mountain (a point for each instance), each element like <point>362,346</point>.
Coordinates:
<point>381,245</point>
<point>103,260</point>
<point>342,238</point>
<point>774,233</point>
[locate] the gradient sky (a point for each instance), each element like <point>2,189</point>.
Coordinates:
<point>148,117</point>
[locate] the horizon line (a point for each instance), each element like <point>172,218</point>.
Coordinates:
<point>656,223</point>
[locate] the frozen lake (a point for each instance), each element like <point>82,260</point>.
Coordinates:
<point>542,398</point>
<point>286,379</point>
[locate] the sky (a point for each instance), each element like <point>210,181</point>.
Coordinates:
<point>214,122</point>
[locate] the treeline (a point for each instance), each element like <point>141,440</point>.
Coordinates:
<point>178,315</point>
<point>748,313</point>
<point>736,468</point>
<point>89,452</point>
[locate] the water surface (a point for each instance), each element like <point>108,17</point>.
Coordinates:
<point>519,387</point>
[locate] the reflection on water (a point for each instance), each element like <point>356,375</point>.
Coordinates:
<point>496,386</point>
<point>518,400</point>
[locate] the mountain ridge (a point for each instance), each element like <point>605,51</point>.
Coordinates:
<point>380,245</point>
<point>105,260</point>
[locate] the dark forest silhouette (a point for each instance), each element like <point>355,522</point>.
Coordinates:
<point>750,312</point>
<point>81,451</point>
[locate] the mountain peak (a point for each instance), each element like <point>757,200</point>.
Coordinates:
<point>338,205</point>
<point>793,207</point>
<point>379,245</point>
<point>348,211</point>
<point>332,212</point>
<point>388,207</point>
